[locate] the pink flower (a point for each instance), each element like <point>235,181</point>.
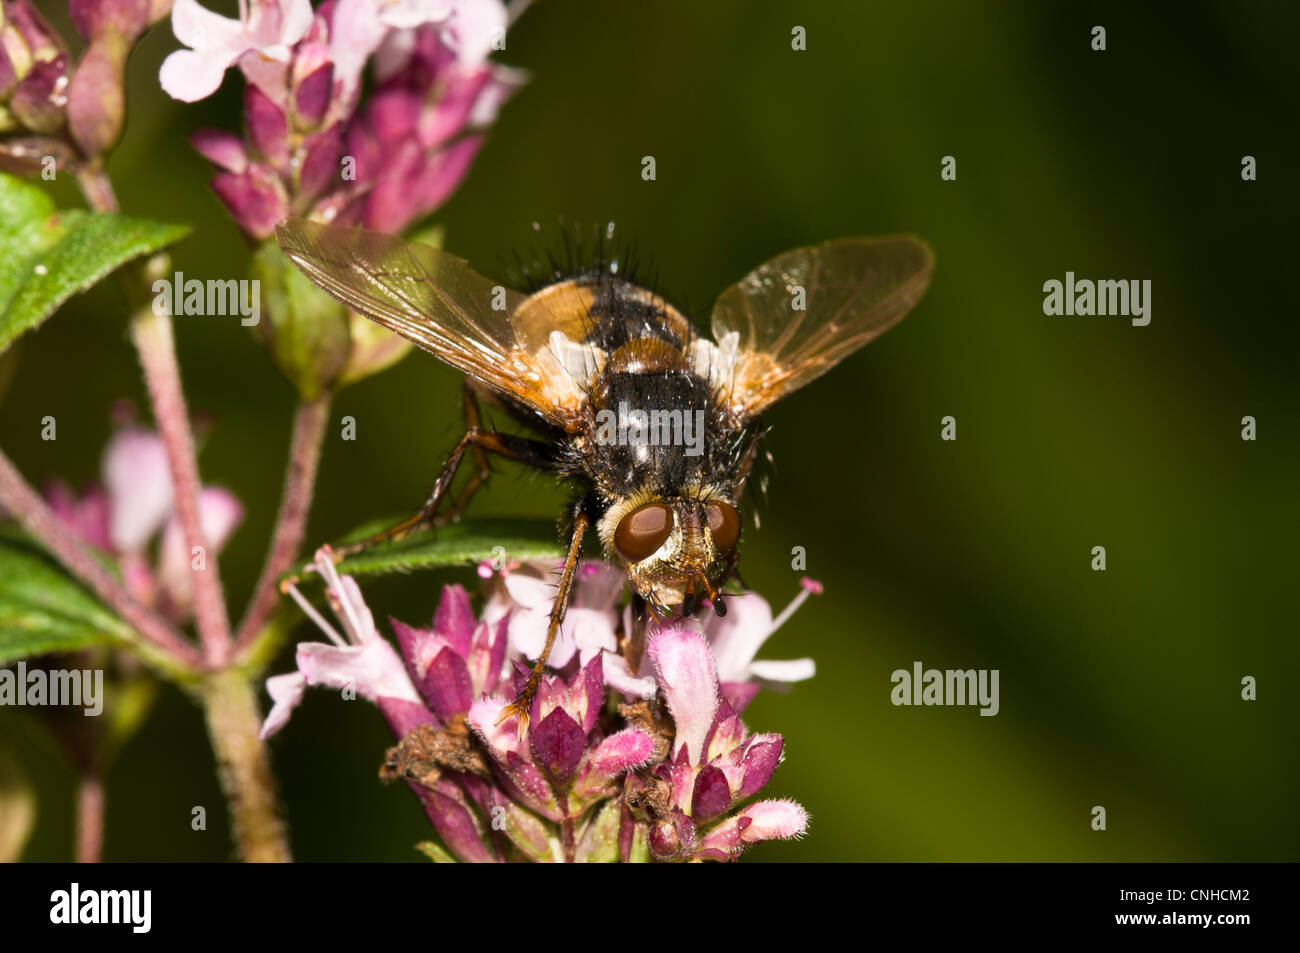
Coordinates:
<point>714,767</point>
<point>308,150</point>
<point>359,660</point>
<point>734,640</point>
<point>672,781</point>
<point>413,142</point>
<point>565,767</point>
<point>220,512</point>
<point>134,507</point>
<point>266,30</point>
<point>590,622</point>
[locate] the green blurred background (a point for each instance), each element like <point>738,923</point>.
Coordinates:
<point>1119,688</point>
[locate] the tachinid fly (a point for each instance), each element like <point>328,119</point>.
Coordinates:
<point>657,426</point>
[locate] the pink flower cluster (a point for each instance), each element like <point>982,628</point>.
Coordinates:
<point>667,773</point>
<point>310,147</point>
<point>130,514</point>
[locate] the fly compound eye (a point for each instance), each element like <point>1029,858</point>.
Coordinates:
<point>643,531</point>
<point>724,524</point>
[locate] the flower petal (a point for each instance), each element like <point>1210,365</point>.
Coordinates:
<point>474,26</point>
<point>504,84</point>
<point>487,655</point>
<point>221,148</point>
<point>268,128</point>
<point>529,588</point>
<point>454,620</point>
<point>736,637</point>
<point>592,631</point>
<point>372,670</point>
<point>138,480</point>
<point>501,739</point>
<point>190,76</point>
<point>762,755</point>
<point>690,683</point>
<point>418,647</point>
<point>320,166</point>
<point>219,513</point>
<point>620,679</point>
<point>558,743</point>
<point>256,199</point>
<point>450,114</point>
<point>296,19</point>
<point>403,716</point>
<point>286,692</point>
<point>86,516</point>
<point>712,795</point>
<point>587,693</point>
<point>454,822</point>
<point>355,32</point>
<point>622,751</point>
<point>793,670</point>
<point>777,818</point>
<point>200,28</point>
<point>599,585</point>
<point>446,685</point>
<point>739,694</point>
<point>313,94</point>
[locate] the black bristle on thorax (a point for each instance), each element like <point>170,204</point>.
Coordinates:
<point>566,251</point>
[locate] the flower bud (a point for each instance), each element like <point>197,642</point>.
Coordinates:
<point>256,198</point>
<point>41,40</point>
<point>96,95</point>
<point>664,842</point>
<point>95,18</point>
<point>40,97</point>
<point>268,130</point>
<point>305,329</point>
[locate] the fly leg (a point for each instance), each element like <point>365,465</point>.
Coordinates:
<point>532,453</point>
<point>523,702</point>
<point>473,420</point>
<point>634,641</point>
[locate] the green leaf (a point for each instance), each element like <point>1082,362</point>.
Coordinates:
<point>42,609</point>
<point>459,544</point>
<point>46,255</point>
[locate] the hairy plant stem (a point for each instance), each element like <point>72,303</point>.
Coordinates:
<point>234,718</point>
<point>309,423</point>
<point>155,345</point>
<point>229,701</point>
<point>90,818</point>
<point>97,187</point>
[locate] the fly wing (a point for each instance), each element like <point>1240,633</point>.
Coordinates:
<point>438,302</point>
<point>850,291</point>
